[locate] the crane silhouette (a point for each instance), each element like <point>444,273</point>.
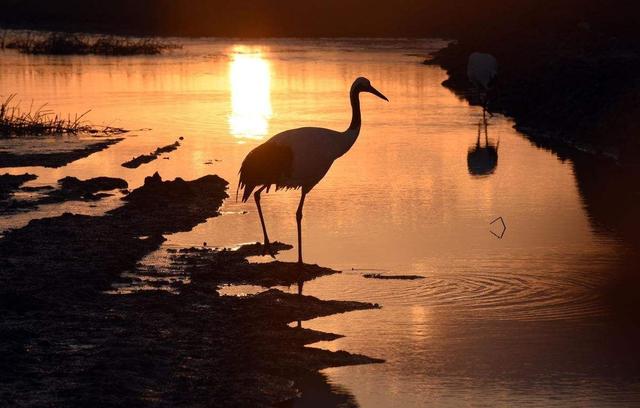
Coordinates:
<point>299,159</point>
<point>482,70</point>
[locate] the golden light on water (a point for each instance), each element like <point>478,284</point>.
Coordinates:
<point>250,77</point>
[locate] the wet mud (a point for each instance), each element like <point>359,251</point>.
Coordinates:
<point>66,341</point>
<point>53,159</point>
<point>10,183</point>
<point>69,189</point>
<point>148,158</point>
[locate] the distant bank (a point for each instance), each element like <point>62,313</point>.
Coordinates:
<point>571,83</point>
<point>588,99</point>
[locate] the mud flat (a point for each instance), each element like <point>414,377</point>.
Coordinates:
<point>65,341</point>
<point>69,189</point>
<point>148,158</point>
<point>54,159</point>
<point>10,183</point>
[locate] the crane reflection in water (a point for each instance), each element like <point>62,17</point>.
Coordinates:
<point>482,160</point>
<point>250,83</point>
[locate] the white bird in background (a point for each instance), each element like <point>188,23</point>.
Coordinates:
<point>299,158</point>
<point>482,70</point>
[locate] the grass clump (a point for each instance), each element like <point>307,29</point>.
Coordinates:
<point>41,121</point>
<point>77,44</point>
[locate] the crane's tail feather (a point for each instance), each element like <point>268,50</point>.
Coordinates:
<point>267,164</point>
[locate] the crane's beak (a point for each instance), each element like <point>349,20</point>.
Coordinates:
<point>377,93</point>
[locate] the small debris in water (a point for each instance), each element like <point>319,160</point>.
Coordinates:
<point>392,277</point>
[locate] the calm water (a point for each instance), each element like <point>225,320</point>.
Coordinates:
<point>496,322</point>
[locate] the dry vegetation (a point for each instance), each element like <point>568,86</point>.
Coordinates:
<point>78,44</point>
<point>38,121</point>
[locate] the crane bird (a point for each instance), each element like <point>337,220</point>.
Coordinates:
<point>299,159</point>
<point>482,70</point>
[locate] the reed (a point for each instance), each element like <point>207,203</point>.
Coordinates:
<point>38,121</point>
<point>77,44</point>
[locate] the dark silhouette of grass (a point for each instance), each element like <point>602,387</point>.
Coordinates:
<point>41,121</point>
<point>58,43</point>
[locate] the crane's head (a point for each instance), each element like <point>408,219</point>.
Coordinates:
<point>362,84</point>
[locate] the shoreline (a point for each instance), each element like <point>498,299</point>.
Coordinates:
<point>603,154</point>
<point>10,159</point>
<point>561,97</point>
<point>68,341</point>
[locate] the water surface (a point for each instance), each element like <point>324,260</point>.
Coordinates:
<point>496,322</point>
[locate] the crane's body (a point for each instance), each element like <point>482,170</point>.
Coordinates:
<point>299,159</point>
<point>482,70</point>
<point>312,151</point>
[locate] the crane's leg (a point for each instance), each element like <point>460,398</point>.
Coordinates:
<point>486,135</point>
<point>267,247</point>
<point>299,221</point>
<point>484,110</point>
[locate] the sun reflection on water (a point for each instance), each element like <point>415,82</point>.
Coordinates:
<point>250,77</point>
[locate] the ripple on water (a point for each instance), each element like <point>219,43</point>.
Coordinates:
<point>516,296</point>
<point>508,296</point>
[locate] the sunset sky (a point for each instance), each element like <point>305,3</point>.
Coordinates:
<point>309,18</point>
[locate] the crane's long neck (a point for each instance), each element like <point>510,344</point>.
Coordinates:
<point>349,136</point>
<point>356,118</point>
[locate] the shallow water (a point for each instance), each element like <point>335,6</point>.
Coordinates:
<point>496,322</point>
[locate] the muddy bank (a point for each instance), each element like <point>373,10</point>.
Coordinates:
<point>231,266</point>
<point>54,159</point>
<point>74,187</point>
<point>577,93</point>
<point>66,342</point>
<point>573,88</point>
<point>96,249</point>
<point>10,183</point>
<point>69,189</point>
<point>148,158</point>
